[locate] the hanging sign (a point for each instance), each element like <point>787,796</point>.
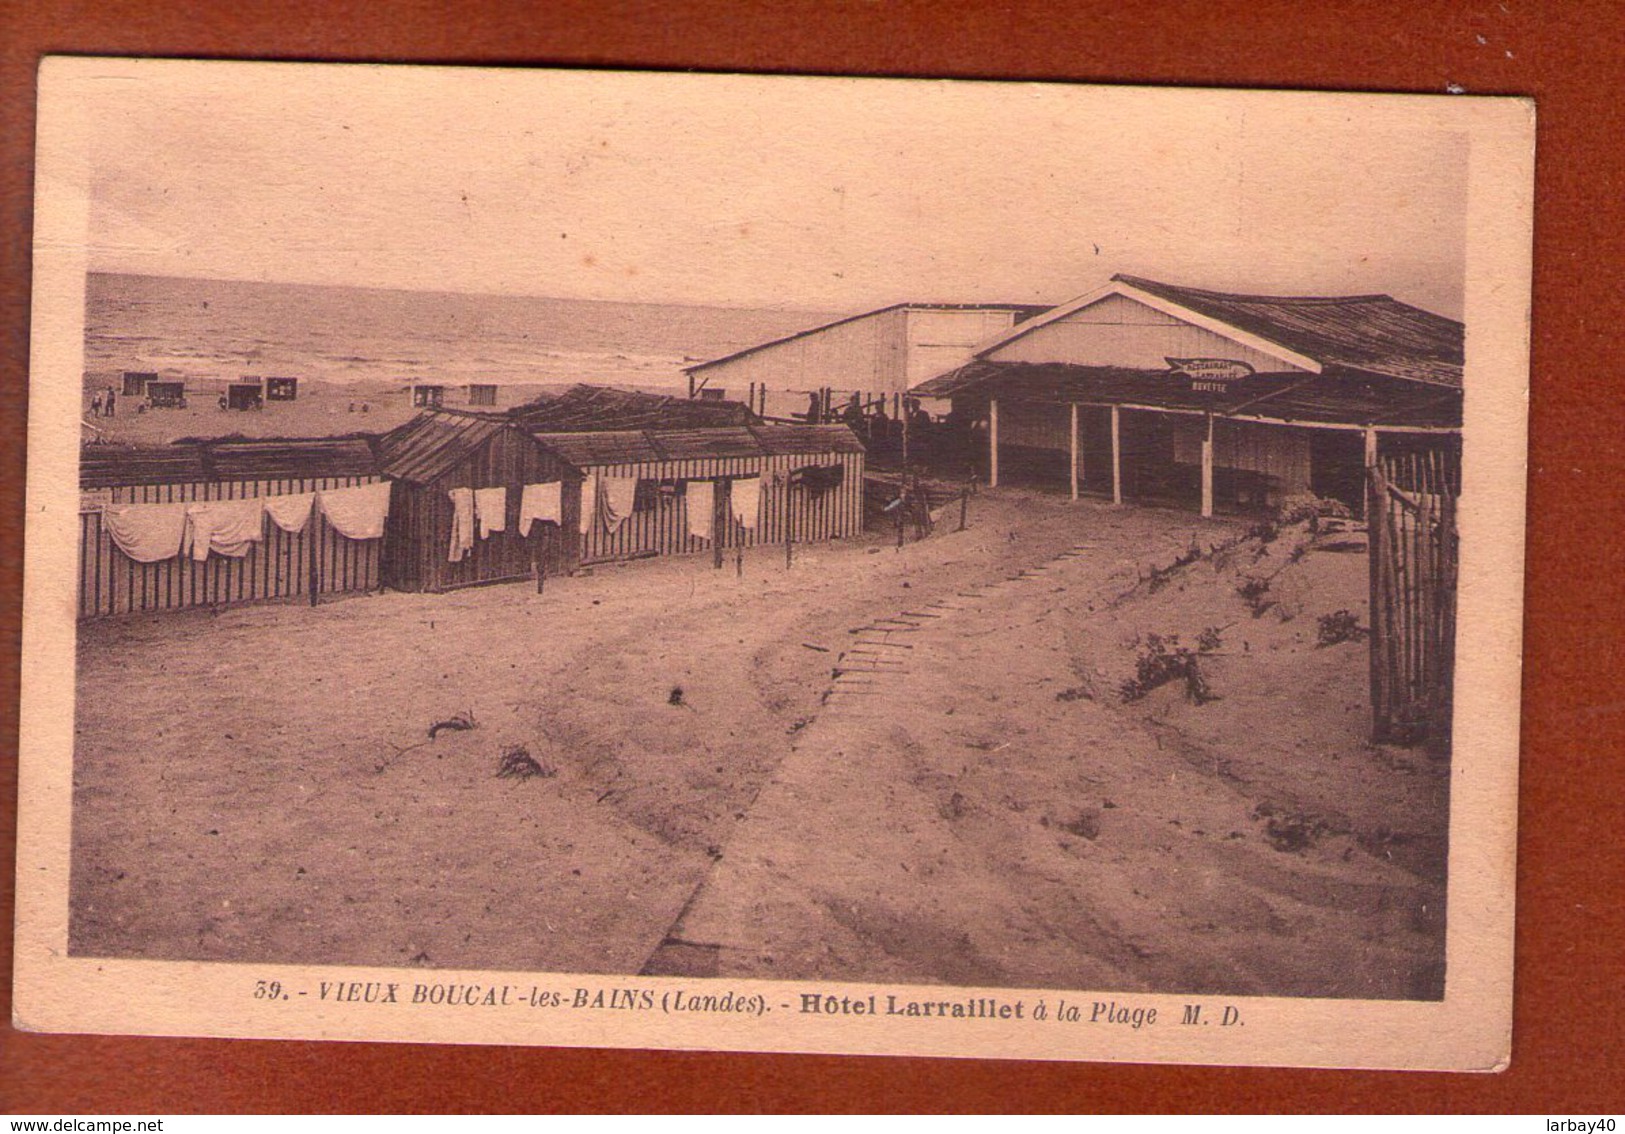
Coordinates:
<point>1210,375</point>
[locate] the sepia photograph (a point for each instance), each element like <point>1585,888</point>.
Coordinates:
<point>774,563</point>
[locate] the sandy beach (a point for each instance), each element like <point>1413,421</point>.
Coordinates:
<point>911,764</point>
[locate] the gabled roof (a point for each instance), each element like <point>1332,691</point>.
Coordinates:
<point>1021,310</point>
<point>1374,334</point>
<point>432,443</point>
<point>583,407</point>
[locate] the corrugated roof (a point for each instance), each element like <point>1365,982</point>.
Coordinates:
<point>276,460</point>
<point>624,447</point>
<point>807,439</point>
<point>431,444</point>
<point>609,447</point>
<point>582,408</point>
<point>1022,311</point>
<point>112,466</point>
<point>1347,398</point>
<point>197,461</point>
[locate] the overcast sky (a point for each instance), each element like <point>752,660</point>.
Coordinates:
<point>806,193</point>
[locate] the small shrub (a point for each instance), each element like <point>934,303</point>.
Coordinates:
<point>518,764</point>
<point>1253,591</point>
<point>1164,660</point>
<point>1339,626</point>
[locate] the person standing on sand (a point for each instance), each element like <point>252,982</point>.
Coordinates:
<point>109,403</point>
<point>96,404</point>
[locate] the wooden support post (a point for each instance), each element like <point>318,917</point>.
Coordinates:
<point>720,519</point>
<point>538,553</point>
<point>751,402</point>
<point>1117,456</point>
<point>1370,447</point>
<point>1074,447</point>
<point>789,535</point>
<point>1207,470</point>
<point>964,505</point>
<point>690,388</point>
<point>313,526</point>
<point>993,443</point>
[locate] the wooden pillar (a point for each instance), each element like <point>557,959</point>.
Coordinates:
<point>1074,408</point>
<point>1370,446</point>
<point>312,526</point>
<point>1117,456</point>
<point>993,443</point>
<point>1207,470</point>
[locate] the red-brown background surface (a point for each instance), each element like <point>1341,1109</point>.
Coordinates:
<point>1569,1042</point>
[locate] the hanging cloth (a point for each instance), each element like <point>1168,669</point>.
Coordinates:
<point>491,510</point>
<point>225,527</point>
<point>618,496</point>
<point>357,513</point>
<point>589,501</point>
<point>540,502</point>
<point>462,524</point>
<point>290,512</point>
<point>747,500</point>
<point>147,533</point>
<point>701,503</point>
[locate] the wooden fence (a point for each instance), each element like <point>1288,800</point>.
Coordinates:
<point>1411,516</point>
<point>278,567</point>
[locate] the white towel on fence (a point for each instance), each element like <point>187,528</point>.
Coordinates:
<point>491,510</point>
<point>462,524</point>
<point>357,513</point>
<point>147,533</point>
<point>589,501</point>
<point>540,502</point>
<point>290,512</point>
<point>747,500</point>
<point>701,503</point>
<point>619,495</point>
<point>225,527</point>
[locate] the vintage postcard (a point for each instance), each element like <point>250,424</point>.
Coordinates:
<point>775,564</point>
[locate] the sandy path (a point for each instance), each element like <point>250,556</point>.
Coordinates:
<point>258,784</point>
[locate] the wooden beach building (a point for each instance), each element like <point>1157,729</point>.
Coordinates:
<point>1145,391</point>
<point>762,483</point>
<point>317,561</point>
<point>440,451</point>
<point>887,351</point>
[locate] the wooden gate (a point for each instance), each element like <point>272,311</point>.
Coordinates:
<point>1411,515</point>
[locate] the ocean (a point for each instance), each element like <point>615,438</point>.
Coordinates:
<point>207,330</point>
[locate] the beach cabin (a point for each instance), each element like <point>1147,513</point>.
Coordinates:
<point>428,397</point>
<point>1149,392</point>
<point>166,395</point>
<point>445,450</point>
<point>760,484</point>
<point>281,389</point>
<point>482,394</point>
<point>135,382</point>
<point>887,351</point>
<point>146,485</point>
<point>244,396</point>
